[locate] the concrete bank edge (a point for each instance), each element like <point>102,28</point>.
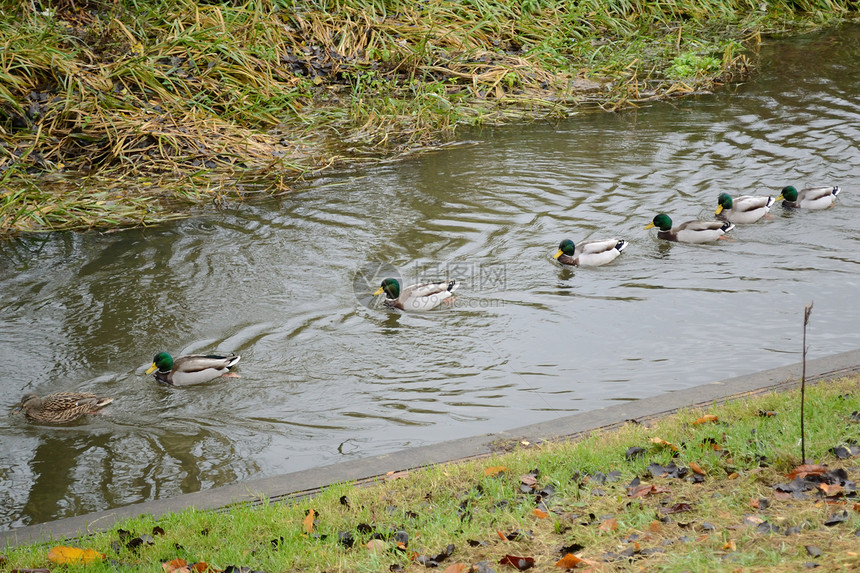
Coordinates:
<point>310,481</point>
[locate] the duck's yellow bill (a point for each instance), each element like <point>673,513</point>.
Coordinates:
<point>719,210</point>
<point>557,254</point>
<point>152,368</point>
<point>781,196</point>
<point>378,292</point>
<point>650,225</point>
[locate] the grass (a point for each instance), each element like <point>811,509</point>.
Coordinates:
<point>191,90</point>
<point>720,512</point>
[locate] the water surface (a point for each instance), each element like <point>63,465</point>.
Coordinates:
<point>325,378</point>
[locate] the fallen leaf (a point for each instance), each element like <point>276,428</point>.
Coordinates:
<point>528,480</point>
<point>706,419</point>
<point>733,475</point>
<point>73,555</point>
<point>569,561</point>
<point>730,545</point>
<point>521,563</point>
<point>540,514</point>
<point>308,522</point>
<point>174,566</point>
<point>836,518</point>
<point>806,470</point>
<point>655,526</point>
<point>457,568</point>
<point>676,508</point>
<point>697,468</point>
<point>640,490</point>
<point>830,490</point>
<point>634,452</point>
<point>495,470</point>
<point>376,546</point>
<point>663,442</point>
<point>610,524</point>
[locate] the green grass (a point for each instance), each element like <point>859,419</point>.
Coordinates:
<point>185,88</point>
<point>480,505</point>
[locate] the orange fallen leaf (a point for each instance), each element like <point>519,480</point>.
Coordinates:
<point>697,468</point>
<point>706,419</point>
<point>730,545</point>
<point>644,489</point>
<point>830,489</point>
<point>733,475</point>
<point>663,442</point>
<point>807,470</point>
<point>857,507</point>
<point>457,568</point>
<point>540,514</point>
<point>73,555</point>
<point>655,526</point>
<point>308,522</point>
<point>502,535</point>
<point>610,524</point>
<point>494,470</point>
<point>376,545</point>
<point>754,502</point>
<point>202,567</point>
<point>175,566</point>
<point>569,561</point>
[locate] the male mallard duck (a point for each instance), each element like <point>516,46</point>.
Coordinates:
<point>589,253</point>
<point>416,297</point>
<point>691,231</point>
<point>61,407</point>
<point>745,209</point>
<point>810,198</point>
<point>191,369</point>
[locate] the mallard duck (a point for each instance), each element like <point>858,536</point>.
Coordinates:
<point>191,369</point>
<point>423,296</point>
<point>810,198</point>
<point>744,209</point>
<point>691,231</point>
<point>589,253</point>
<point>61,407</point>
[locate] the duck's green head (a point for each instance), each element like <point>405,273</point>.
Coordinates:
<point>724,201</point>
<point>566,247</point>
<point>661,221</point>
<point>788,193</point>
<point>163,362</point>
<point>390,287</point>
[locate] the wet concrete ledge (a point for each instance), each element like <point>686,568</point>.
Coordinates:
<point>308,482</point>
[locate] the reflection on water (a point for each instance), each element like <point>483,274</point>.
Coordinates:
<point>326,377</point>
